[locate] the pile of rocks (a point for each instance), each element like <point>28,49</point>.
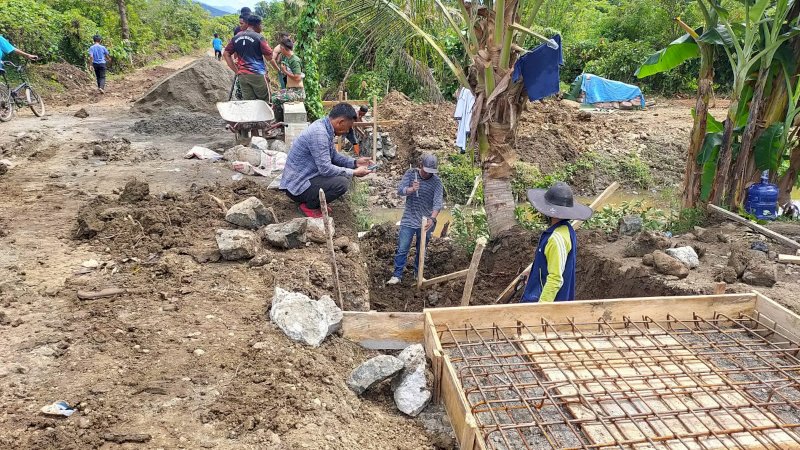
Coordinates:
<point>410,378</point>
<point>260,228</point>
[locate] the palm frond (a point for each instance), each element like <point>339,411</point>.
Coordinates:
<point>424,75</point>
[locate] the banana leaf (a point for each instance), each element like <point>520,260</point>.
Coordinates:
<point>743,108</point>
<point>709,173</point>
<point>717,36</point>
<point>769,148</point>
<point>673,55</point>
<point>711,144</point>
<point>712,125</point>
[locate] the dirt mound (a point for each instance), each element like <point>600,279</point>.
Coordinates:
<point>120,149</point>
<point>396,105</point>
<point>67,75</point>
<point>196,87</point>
<point>176,120</point>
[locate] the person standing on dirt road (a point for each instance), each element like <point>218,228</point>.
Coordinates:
<point>98,54</point>
<point>252,53</point>
<point>313,162</point>
<point>424,195</point>
<point>552,277</point>
<point>6,49</point>
<point>217,44</point>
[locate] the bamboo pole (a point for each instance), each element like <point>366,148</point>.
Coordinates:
<point>421,255</point>
<point>323,205</point>
<point>374,128</point>
<point>473,271</point>
<point>755,227</point>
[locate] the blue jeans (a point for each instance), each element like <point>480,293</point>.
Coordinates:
<point>404,238</point>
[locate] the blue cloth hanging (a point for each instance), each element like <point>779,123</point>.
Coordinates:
<point>540,69</point>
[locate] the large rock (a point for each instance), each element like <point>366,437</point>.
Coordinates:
<point>250,213</point>
<point>286,235</point>
<point>237,244</point>
<point>315,230</point>
<point>645,243</point>
<point>372,372</point>
<point>413,392</point>
<point>763,274</point>
<point>303,319</point>
<point>630,225</point>
<point>413,356</point>
<point>686,255</point>
<point>667,265</point>
<point>197,87</point>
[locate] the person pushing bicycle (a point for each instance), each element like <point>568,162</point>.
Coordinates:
<point>6,49</point>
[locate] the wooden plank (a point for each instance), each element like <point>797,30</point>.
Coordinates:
<point>755,227</point>
<point>374,128</point>
<point>473,271</point>
<point>323,204</point>
<point>789,259</point>
<point>332,103</point>
<point>381,123</point>
<point>383,330</point>
<point>591,310</point>
<point>598,201</point>
<point>423,235</point>
<point>786,321</point>
<point>458,410</point>
<point>445,278</point>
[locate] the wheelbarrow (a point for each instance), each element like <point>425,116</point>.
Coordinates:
<point>248,118</point>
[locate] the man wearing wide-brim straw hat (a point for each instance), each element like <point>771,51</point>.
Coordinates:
<point>552,276</point>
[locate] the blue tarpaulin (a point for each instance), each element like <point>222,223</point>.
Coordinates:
<point>601,90</point>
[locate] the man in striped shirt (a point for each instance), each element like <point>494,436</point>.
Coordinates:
<point>424,195</point>
<point>552,277</point>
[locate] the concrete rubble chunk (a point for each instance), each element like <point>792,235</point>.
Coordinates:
<point>686,255</point>
<point>237,244</point>
<point>667,265</point>
<point>303,319</point>
<point>372,372</point>
<point>413,392</point>
<point>413,356</point>
<point>286,235</point>
<point>646,242</point>
<point>316,230</point>
<point>630,225</point>
<point>250,213</point>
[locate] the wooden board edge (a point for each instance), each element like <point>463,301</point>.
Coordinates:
<point>455,402</point>
<point>383,330</point>
<point>786,321</point>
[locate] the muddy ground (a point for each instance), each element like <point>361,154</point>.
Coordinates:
<point>131,363</point>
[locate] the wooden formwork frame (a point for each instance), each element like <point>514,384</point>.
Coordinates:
<point>391,330</point>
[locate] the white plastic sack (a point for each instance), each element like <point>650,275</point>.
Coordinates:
<point>203,153</point>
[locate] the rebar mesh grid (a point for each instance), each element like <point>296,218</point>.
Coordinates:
<point>718,383</point>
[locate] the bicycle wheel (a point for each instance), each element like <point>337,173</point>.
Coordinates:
<point>36,102</point>
<point>6,105</point>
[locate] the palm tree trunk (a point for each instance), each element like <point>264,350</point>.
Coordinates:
<point>693,171</point>
<point>125,30</point>
<point>495,143</point>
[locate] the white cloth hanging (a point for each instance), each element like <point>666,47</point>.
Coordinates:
<point>464,104</point>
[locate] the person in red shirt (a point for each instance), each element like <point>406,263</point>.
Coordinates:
<point>252,52</point>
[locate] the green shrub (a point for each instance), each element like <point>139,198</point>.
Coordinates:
<point>458,177</point>
<point>607,219</point>
<point>359,202</point>
<point>530,219</point>
<point>468,225</point>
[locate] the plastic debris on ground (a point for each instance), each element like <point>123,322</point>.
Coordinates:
<point>60,408</point>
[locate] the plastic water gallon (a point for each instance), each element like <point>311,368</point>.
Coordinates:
<point>762,199</point>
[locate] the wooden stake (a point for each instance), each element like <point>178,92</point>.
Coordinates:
<point>473,271</point>
<point>444,278</point>
<point>755,227</point>
<point>323,205</point>
<point>421,255</point>
<point>720,287</point>
<point>474,189</point>
<point>509,291</point>
<point>789,259</point>
<point>374,128</point>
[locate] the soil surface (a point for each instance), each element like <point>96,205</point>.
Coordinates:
<point>187,357</point>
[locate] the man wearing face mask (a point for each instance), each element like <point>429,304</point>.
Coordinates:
<point>313,162</point>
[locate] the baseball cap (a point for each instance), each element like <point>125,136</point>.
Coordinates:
<point>429,163</point>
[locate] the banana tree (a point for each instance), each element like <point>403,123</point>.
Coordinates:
<point>490,33</point>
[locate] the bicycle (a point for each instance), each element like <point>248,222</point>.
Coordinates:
<point>18,97</point>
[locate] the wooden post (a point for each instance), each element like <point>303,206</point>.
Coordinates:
<point>374,128</point>
<point>473,271</point>
<point>422,238</point>
<point>323,205</point>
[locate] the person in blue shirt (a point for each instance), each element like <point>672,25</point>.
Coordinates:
<point>552,277</point>
<point>99,56</point>
<point>217,44</point>
<point>6,49</point>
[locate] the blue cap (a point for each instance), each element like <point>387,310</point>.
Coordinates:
<point>429,163</point>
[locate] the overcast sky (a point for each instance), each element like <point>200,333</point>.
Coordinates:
<point>232,3</point>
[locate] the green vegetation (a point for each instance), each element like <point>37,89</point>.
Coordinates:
<point>359,202</point>
<point>458,177</point>
<point>468,225</point>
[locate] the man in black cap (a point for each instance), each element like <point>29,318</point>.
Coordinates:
<point>552,277</point>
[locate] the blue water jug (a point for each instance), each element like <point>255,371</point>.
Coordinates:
<point>762,199</point>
